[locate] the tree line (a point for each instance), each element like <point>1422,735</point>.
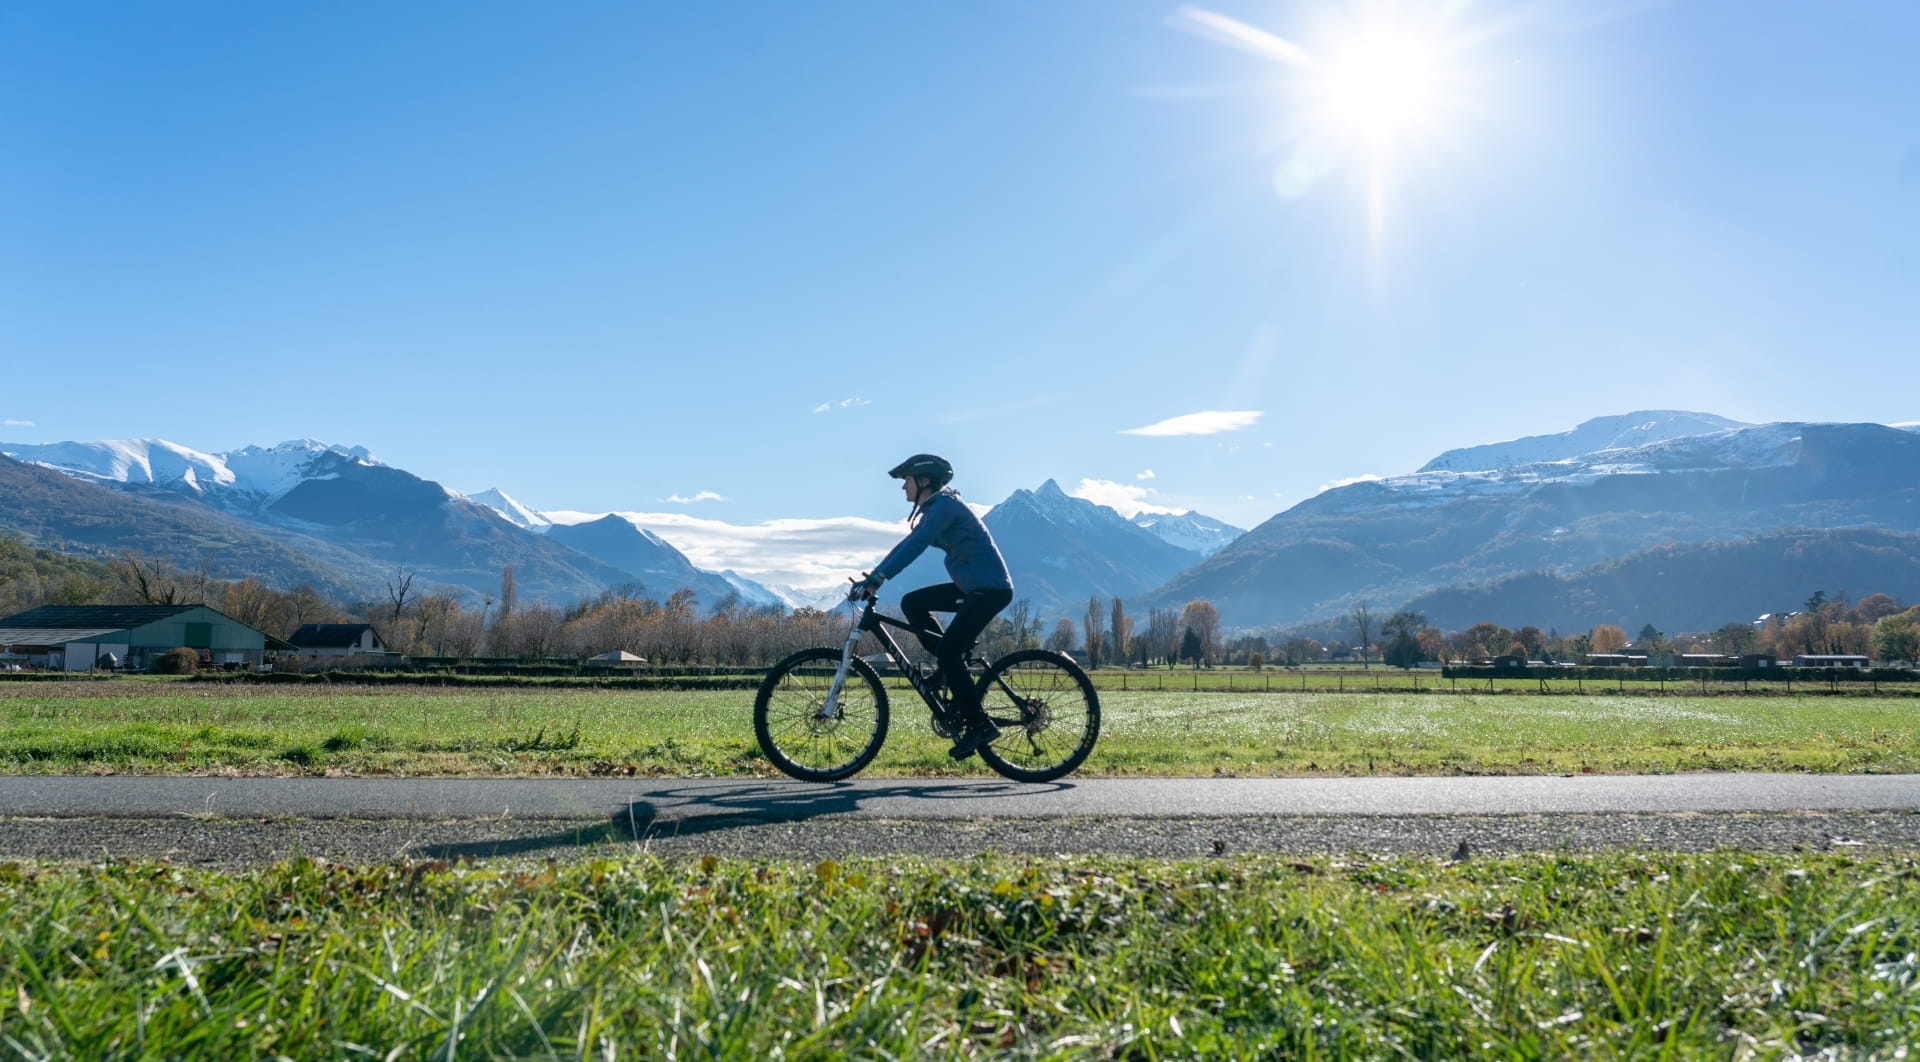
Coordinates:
<point>682,631</point>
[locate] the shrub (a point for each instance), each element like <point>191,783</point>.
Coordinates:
<point>181,661</point>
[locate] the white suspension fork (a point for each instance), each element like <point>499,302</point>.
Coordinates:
<point>831,709</point>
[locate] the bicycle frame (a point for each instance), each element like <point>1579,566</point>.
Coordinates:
<point>871,621</point>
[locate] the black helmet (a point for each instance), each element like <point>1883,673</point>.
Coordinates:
<point>934,468</point>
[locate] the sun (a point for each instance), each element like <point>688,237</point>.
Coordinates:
<point>1377,89</point>
<point>1383,90</point>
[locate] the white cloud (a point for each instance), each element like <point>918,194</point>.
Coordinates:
<point>17,423</point>
<point>1144,474</point>
<point>807,554</point>
<point>1206,422</point>
<point>1351,480</point>
<point>1120,497</point>
<point>845,403</point>
<point>681,499</point>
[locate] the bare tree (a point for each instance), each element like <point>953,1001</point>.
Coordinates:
<point>1026,626</point>
<point>1120,629</point>
<point>145,579</point>
<point>1363,626</point>
<point>399,589</point>
<point>1063,636</point>
<point>1093,632</point>
<point>1163,634</point>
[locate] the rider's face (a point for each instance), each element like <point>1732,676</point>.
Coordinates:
<point>911,487</point>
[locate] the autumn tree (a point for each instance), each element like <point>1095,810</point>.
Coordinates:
<point>1093,625</point>
<point>1607,638</point>
<point>1119,632</point>
<point>1201,618</point>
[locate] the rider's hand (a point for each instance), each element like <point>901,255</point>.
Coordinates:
<point>863,589</point>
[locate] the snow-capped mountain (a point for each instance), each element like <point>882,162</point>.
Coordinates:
<point>754,594</point>
<point>1190,530</point>
<point>515,513</point>
<point>1386,541</point>
<point>338,504</point>
<point>1626,431</point>
<point>1756,446</point>
<point>251,476</point>
<point>650,559</point>
<point>1061,550</point>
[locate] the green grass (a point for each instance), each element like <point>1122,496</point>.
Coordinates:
<point>183,727</point>
<point>1617,956</point>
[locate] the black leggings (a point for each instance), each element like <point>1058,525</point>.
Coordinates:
<point>971,614</point>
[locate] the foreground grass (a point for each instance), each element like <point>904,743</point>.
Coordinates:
<point>1618,956</point>
<point>159,727</point>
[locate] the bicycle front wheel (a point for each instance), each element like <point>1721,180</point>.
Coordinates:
<point>798,732</point>
<point>1047,712</point>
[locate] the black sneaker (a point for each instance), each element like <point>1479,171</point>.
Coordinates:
<point>976,735</point>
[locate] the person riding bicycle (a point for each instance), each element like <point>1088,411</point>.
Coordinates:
<point>980,588</point>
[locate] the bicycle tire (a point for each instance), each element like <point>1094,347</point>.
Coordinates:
<point>1048,725</point>
<point>793,734</point>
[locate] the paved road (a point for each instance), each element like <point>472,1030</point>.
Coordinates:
<point>243,821</point>
<point>692,800</point>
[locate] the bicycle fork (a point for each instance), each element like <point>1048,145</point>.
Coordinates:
<point>831,709</point>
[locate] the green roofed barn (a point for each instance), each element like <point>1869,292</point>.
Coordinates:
<point>81,637</point>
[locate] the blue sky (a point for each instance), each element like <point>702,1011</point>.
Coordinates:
<point>734,260</point>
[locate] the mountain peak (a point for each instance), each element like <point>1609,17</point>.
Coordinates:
<point>511,510</point>
<point>1623,431</point>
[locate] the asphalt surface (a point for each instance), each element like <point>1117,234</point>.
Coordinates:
<point>690,801</point>
<point>234,822</point>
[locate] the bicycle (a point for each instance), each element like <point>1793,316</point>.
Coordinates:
<point>822,713</point>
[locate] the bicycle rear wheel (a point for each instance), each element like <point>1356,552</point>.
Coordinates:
<point>1047,712</point>
<point>795,731</point>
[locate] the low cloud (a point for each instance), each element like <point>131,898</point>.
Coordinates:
<point>845,403</point>
<point>17,423</point>
<point>1122,498</point>
<point>1144,474</point>
<point>1206,422</point>
<point>681,499</point>
<point>808,554</point>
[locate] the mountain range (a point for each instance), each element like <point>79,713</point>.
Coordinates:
<point>1644,512</point>
<point>1477,516</point>
<point>306,511</point>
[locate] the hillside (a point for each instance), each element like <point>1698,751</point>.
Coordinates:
<point>1691,586</point>
<point>1390,541</point>
<point>56,512</point>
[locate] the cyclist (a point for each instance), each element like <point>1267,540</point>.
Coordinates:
<point>980,588</point>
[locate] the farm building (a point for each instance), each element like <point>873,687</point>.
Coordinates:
<point>319,642</point>
<point>81,637</point>
<point>1829,660</point>
<point>617,658</point>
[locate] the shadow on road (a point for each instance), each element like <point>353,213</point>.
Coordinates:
<point>709,807</point>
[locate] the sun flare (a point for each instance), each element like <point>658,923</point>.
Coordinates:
<point>1372,91</point>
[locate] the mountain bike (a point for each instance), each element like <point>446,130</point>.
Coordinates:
<point>821,714</point>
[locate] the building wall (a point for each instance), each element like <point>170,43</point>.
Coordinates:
<point>224,634</point>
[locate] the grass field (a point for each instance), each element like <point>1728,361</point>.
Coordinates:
<point>1626,956</point>
<point>176,727</point>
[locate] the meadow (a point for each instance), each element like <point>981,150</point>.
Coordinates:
<point>158,726</point>
<point>1621,956</point>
